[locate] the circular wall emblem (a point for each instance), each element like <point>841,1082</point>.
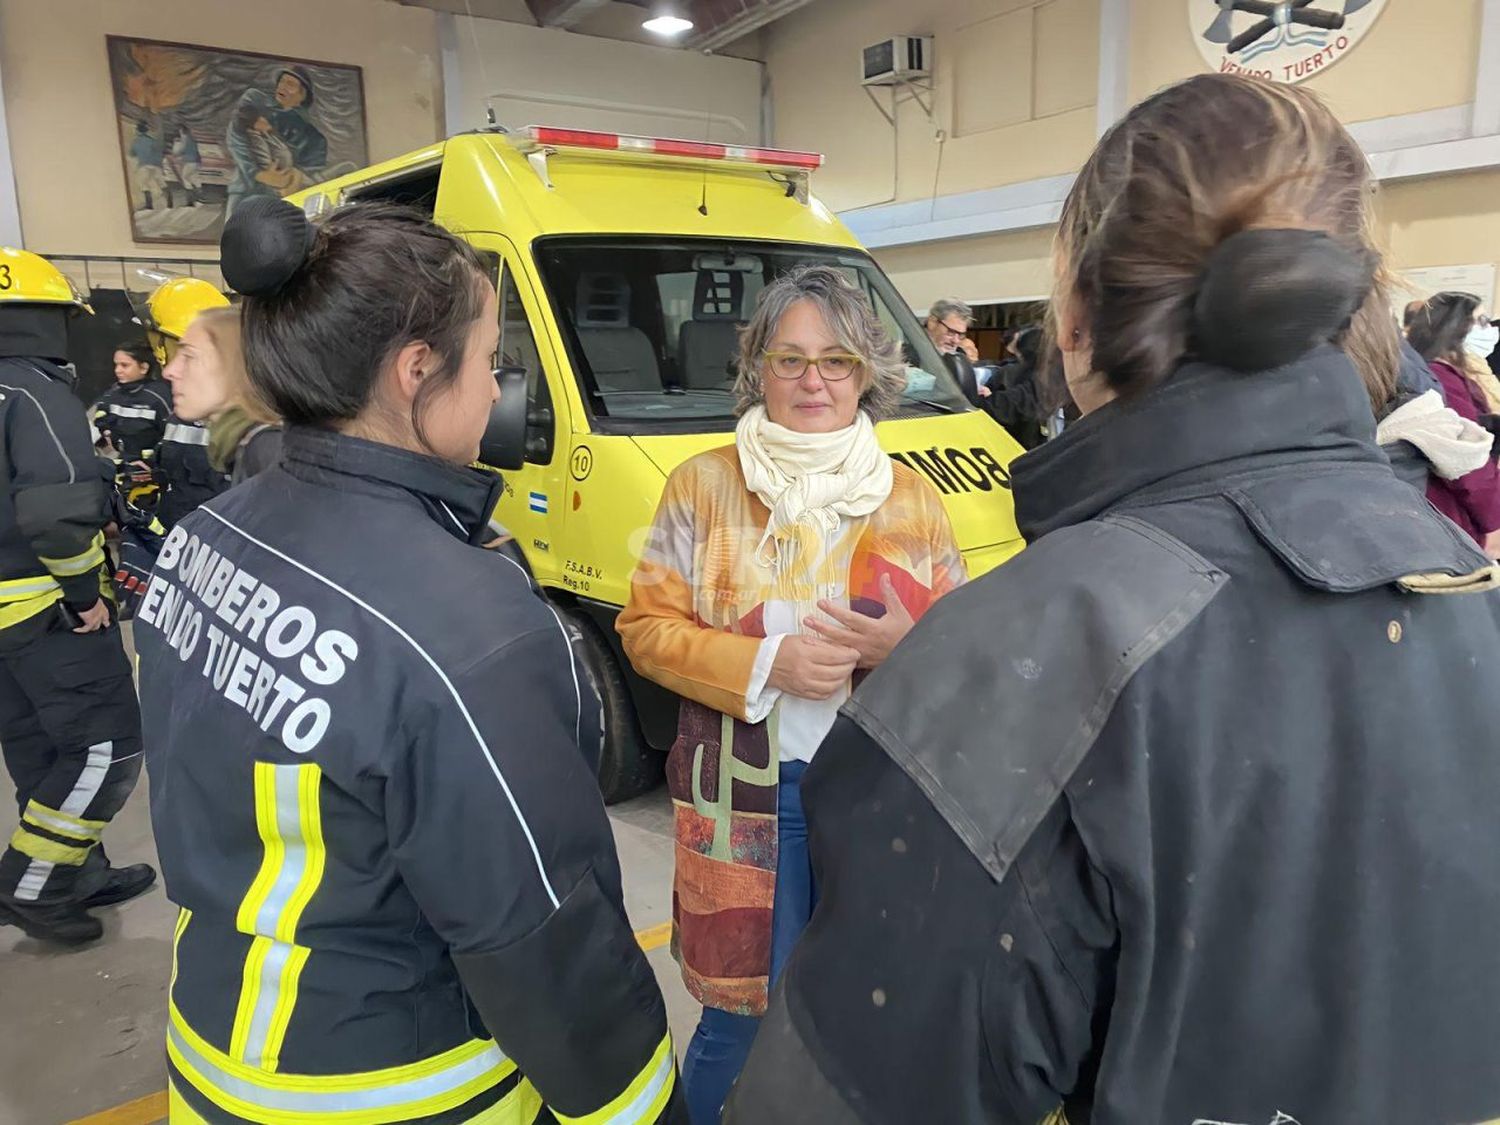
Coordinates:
<point>1289,41</point>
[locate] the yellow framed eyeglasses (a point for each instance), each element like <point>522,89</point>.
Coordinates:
<point>834,367</point>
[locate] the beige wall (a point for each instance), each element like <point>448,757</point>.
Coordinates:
<point>1016,87</point>
<point>997,267</point>
<point>603,75</point>
<point>64,140</point>
<point>1016,83</point>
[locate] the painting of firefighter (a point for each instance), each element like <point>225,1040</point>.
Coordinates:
<point>202,129</point>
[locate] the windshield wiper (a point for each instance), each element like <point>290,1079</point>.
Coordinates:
<point>940,407</point>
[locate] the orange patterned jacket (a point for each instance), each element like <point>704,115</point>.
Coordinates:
<point>694,624</point>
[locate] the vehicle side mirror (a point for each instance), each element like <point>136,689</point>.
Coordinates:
<point>504,443</point>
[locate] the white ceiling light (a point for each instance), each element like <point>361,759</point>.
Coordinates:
<point>666,21</point>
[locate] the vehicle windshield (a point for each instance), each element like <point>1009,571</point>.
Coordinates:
<point>652,325</point>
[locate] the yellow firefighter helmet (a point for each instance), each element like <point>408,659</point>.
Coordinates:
<point>175,303</point>
<point>29,279</point>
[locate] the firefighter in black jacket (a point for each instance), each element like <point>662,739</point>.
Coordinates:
<point>1188,813</point>
<point>400,892</point>
<point>133,413</point>
<point>68,719</point>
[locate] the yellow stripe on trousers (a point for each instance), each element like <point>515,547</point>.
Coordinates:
<point>288,817</point>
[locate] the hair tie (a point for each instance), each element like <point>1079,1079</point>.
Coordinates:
<point>265,242</point>
<point>1270,296</point>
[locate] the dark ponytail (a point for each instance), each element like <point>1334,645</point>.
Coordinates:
<point>1225,219</point>
<point>328,305</point>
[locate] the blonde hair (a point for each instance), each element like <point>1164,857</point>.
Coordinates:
<point>852,320</point>
<point>1186,170</point>
<point>223,329</point>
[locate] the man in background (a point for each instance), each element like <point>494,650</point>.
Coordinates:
<point>948,327</point>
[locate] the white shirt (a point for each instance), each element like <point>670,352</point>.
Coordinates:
<point>801,724</point>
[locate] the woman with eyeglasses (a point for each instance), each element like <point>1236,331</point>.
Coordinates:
<point>778,570</point>
<point>1453,333</point>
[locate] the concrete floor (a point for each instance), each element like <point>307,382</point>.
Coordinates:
<point>83,1030</point>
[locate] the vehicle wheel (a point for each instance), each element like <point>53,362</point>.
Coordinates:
<point>628,766</point>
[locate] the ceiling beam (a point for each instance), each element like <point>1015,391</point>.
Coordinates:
<point>562,13</point>
<point>721,22</point>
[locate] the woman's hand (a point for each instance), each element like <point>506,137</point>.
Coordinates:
<point>1492,544</point>
<point>810,668</point>
<point>872,638</point>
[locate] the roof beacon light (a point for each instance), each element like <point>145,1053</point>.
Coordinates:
<point>534,137</point>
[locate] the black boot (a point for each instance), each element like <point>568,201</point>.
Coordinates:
<point>121,885</point>
<point>150,206</point>
<point>66,923</point>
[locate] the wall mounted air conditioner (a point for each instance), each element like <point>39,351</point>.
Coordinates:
<point>902,58</point>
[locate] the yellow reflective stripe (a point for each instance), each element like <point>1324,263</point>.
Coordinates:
<point>273,852</point>
<point>643,1100</point>
<point>522,1106</point>
<point>309,805</point>
<point>80,563</point>
<point>49,851</point>
<point>397,1094</point>
<point>56,820</point>
<point>19,589</point>
<point>13,613</point>
<point>155,527</point>
<point>184,916</point>
<point>289,820</point>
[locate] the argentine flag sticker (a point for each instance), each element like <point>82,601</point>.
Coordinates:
<point>538,502</point>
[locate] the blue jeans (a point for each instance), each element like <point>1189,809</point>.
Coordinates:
<point>721,1044</point>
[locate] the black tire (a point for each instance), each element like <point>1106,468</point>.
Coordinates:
<point>628,766</point>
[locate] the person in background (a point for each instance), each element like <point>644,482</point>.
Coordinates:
<point>187,164</point>
<point>1453,333</point>
<point>948,328</point>
<point>1170,818</point>
<point>1015,400</point>
<point>132,415</point>
<point>69,726</point>
<point>148,155</point>
<point>210,384</point>
<point>777,569</point>
<point>182,468</point>
<point>400,896</point>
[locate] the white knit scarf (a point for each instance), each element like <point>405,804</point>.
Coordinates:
<point>809,479</point>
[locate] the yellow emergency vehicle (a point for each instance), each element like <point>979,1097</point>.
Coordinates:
<point>624,267</point>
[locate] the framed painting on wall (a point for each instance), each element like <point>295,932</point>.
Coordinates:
<point>203,128</point>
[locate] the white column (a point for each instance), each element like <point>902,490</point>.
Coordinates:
<point>10,204</point>
<point>456,119</point>
<point>1487,73</point>
<point>1114,61</point>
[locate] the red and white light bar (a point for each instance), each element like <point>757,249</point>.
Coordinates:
<point>540,136</point>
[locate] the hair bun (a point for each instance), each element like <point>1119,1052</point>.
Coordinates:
<point>264,243</point>
<point>1269,296</point>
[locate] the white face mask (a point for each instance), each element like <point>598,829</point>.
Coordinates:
<point>1481,341</point>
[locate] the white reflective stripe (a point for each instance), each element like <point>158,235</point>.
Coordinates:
<point>77,564</point>
<point>131,411</point>
<point>34,880</point>
<point>61,452</point>
<point>336,1101</point>
<point>184,434</point>
<point>86,788</point>
<point>636,1110</point>
<point>441,675</point>
<point>267,921</point>
<point>20,589</point>
<point>58,824</point>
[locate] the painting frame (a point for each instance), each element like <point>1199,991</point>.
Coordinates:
<point>211,129</point>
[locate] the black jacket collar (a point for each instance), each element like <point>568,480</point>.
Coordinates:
<point>460,499</point>
<point>1204,424</point>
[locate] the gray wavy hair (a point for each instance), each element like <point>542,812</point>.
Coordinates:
<point>852,320</point>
